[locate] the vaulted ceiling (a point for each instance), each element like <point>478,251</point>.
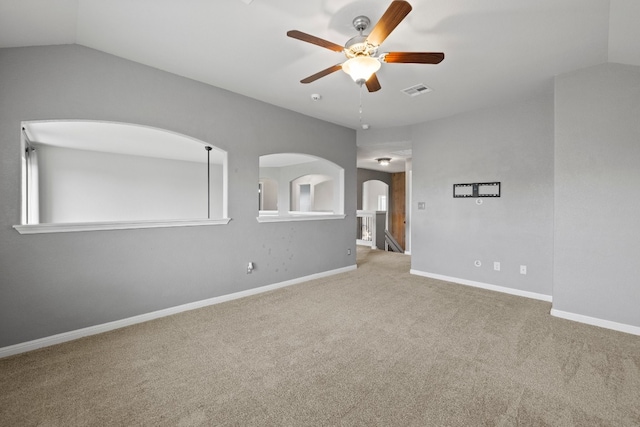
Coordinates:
<point>497,51</point>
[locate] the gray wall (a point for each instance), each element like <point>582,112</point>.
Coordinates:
<point>73,187</point>
<point>597,193</point>
<point>269,193</point>
<point>408,182</point>
<point>53,283</point>
<point>512,144</point>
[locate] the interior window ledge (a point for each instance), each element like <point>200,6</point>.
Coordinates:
<point>300,217</point>
<point>115,225</point>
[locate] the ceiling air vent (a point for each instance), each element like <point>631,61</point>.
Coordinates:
<point>416,90</point>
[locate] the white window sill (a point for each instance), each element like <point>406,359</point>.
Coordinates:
<point>114,225</point>
<point>299,217</point>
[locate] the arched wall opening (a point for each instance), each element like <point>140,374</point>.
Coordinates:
<point>299,184</point>
<point>83,171</point>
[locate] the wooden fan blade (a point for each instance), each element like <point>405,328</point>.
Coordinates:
<point>315,40</point>
<point>396,12</point>
<point>373,85</point>
<point>322,73</point>
<point>414,57</point>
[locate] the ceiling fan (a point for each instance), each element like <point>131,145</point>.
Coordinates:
<point>361,50</point>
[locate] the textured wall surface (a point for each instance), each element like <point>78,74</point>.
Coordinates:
<point>54,283</point>
<point>512,144</point>
<point>597,193</point>
<point>89,186</point>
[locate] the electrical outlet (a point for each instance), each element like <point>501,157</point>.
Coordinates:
<point>348,251</point>
<point>523,269</point>
<point>496,266</point>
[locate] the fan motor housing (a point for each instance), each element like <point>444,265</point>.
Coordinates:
<point>358,45</point>
<point>361,23</point>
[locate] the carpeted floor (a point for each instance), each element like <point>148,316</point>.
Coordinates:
<point>372,347</point>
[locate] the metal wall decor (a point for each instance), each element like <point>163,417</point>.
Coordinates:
<point>477,189</point>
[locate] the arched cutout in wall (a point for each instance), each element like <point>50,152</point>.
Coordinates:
<point>80,174</point>
<point>299,186</point>
<point>375,195</point>
<point>312,193</point>
<point>372,220</point>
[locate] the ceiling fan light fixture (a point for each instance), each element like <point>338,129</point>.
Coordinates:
<point>384,161</point>
<point>361,68</point>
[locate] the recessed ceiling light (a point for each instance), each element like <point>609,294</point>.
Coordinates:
<point>384,161</point>
<point>316,96</point>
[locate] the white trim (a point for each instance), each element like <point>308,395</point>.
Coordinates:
<point>114,225</point>
<point>301,217</point>
<point>487,286</point>
<point>594,321</point>
<point>368,243</point>
<point>105,327</point>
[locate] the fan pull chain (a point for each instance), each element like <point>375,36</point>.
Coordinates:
<point>360,110</point>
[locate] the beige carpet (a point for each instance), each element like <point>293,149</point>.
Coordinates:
<point>372,347</point>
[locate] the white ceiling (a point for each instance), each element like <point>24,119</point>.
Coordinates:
<point>138,140</point>
<point>497,51</point>
<point>121,138</point>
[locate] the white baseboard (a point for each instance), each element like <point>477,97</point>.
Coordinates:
<point>496,288</point>
<point>594,321</point>
<point>105,327</point>
<point>607,324</point>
